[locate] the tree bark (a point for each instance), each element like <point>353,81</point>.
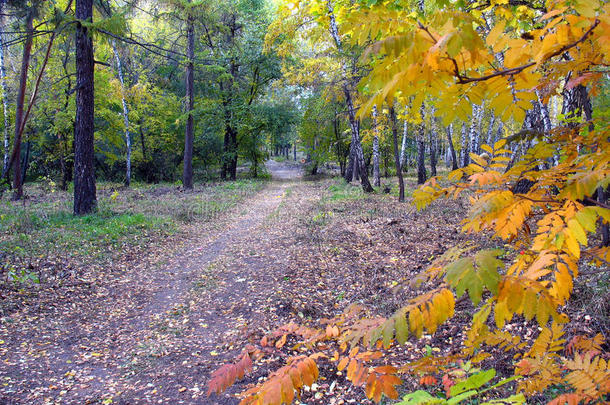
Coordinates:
<point>401,183</point>
<point>403,146</point>
<point>4,90</point>
<point>119,69</point>
<point>421,165</point>
<point>433,145</point>
<point>421,151</point>
<point>19,110</point>
<point>351,111</point>
<point>349,169</point>
<point>454,162</point>
<point>490,130</point>
<point>187,172</point>
<point>464,157</point>
<point>376,179</point>
<point>84,170</point>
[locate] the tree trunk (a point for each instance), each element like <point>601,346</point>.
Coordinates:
<point>4,90</point>
<point>187,173</point>
<point>294,150</point>
<point>350,164</point>
<point>454,163</point>
<point>119,69</point>
<point>464,157</point>
<point>84,171</point>
<point>421,150</point>
<point>351,111</point>
<point>403,146</point>
<point>490,130</point>
<point>401,183</point>
<point>26,160</point>
<point>433,145</point>
<point>25,64</point>
<point>376,179</point>
<point>475,130</point>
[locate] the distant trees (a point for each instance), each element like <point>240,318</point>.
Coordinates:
<point>137,127</point>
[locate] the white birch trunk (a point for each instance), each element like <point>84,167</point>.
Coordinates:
<point>351,111</point>
<point>403,146</point>
<point>499,133</point>
<point>546,121</point>
<point>119,69</point>
<point>464,149</point>
<point>475,133</point>
<point>4,91</point>
<point>490,130</point>
<point>376,179</point>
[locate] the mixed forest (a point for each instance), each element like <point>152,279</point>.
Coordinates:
<point>310,202</point>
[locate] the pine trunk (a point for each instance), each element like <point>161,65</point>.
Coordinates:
<point>84,170</point>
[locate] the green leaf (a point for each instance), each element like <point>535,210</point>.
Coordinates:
<point>456,271</point>
<point>473,382</point>
<point>488,264</point>
<point>420,397</point>
<point>459,398</point>
<point>402,329</point>
<point>388,332</point>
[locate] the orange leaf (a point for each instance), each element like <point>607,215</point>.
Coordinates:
<point>295,376</point>
<point>273,396</point>
<point>428,380</point>
<point>385,370</point>
<point>287,389</point>
<point>281,342</point>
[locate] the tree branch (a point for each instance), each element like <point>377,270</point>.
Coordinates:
<point>519,69</point>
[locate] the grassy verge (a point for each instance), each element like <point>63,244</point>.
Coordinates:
<point>42,228</point>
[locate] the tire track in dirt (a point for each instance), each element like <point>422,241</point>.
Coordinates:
<point>125,319</point>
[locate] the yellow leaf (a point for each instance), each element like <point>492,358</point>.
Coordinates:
<point>495,33</point>
<point>577,231</point>
<point>572,244</point>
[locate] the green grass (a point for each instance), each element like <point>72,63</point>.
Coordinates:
<point>42,226</point>
<point>341,191</point>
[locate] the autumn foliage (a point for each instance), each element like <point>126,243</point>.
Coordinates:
<point>452,57</point>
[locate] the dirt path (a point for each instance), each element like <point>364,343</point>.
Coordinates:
<point>152,335</point>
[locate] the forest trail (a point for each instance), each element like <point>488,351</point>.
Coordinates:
<point>152,334</point>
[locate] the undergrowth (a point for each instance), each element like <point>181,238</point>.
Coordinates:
<point>43,226</point>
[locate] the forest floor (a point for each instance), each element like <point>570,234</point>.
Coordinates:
<point>153,323</point>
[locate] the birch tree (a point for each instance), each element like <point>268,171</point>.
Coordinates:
<point>376,179</point>
<point>119,69</point>
<point>357,156</point>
